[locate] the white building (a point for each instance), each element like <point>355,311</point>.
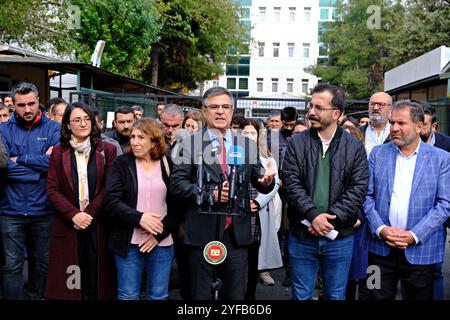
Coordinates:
<point>287,40</point>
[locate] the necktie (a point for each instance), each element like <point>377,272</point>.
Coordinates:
<point>224,168</point>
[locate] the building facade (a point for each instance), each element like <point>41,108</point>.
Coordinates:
<point>286,38</point>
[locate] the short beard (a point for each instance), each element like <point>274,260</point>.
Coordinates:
<point>377,119</point>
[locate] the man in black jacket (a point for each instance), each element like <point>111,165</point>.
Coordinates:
<point>325,174</point>
<point>207,150</point>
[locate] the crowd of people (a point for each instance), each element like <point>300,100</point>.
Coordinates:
<point>102,214</point>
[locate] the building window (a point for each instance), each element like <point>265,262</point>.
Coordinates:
<point>307,14</point>
<point>262,14</point>
<point>334,14</point>
<point>243,84</point>
<point>245,13</point>
<point>290,85</point>
<point>276,14</point>
<point>261,49</point>
<point>305,86</point>
<point>274,84</point>
<point>291,47</point>
<point>324,14</point>
<point>231,83</point>
<point>292,14</point>
<point>323,51</point>
<point>306,50</point>
<point>259,84</point>
<point>276,49</point>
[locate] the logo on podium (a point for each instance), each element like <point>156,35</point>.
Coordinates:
<point>215,252</point>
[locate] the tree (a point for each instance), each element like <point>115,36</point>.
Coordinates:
<point>128,28</point>
<point>359,56</point>
<point>194,41</point>
<point>357,46</point>
<point>34,23</point>
<point>426,26</point>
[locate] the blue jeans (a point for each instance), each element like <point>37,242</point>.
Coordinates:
<point>14,231</point>
<point>333,258</point>
<point>157,263</point>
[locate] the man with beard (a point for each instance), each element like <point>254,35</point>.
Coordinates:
<point>377,131</point>
<point>29,137</point>
<point>429,132</point>
<point>124,119</point>
<point>406,206</point>
<point>325,176</point>
<point>171,119</point>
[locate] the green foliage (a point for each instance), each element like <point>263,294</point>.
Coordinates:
<point>359,56</point>
<point>195,39</point>
<point>128,28</point>
<point>34,23</point>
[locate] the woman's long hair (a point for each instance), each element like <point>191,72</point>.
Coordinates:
<point>262,140</point>
<point>95,135</point>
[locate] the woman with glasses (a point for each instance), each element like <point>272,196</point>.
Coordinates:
<point>140,209</point>
<point>80,266</point>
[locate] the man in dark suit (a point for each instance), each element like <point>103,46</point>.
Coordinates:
<point>430,136</point>
<point>209,148</point>
<point>429,132</point>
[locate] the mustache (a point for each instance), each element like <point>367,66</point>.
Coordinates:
<point>313,118</point>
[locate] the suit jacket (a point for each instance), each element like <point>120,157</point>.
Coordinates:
<point>63,241</point>
<point>429,204</point>
<point>441,141</point>
<point>200,228</point>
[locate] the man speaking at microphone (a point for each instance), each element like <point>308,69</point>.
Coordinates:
<point>209,152</point>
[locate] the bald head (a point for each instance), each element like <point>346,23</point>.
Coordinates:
<point>380,107</point>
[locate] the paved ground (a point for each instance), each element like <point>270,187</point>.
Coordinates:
<point>278,292</point>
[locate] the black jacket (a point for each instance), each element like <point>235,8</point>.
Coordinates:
<point>121,201</point>
<point>349,177</point>
<point>200,228</point>
<point>441,141</point>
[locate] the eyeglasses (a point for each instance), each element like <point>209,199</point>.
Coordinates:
<point>77,121</point>
<point>318,108</point>
<point>215,107</point>
<point>380,105</point>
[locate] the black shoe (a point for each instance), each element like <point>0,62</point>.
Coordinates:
<point>287,282</point>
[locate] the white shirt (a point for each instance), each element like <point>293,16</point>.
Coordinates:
<point>401,193</point>
<point>372,139</point>
<point>326,143</point>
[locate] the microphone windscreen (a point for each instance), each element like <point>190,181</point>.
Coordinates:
<point>235,156</point>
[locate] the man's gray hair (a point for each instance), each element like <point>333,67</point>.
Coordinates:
<point>216,91</point>
<point>23,88</point>
<point>415,109</point>
<point>138,108</point>
<point>172,110</point>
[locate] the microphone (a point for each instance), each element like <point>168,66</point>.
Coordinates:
<point>235,159</point>
<point>200,181</point>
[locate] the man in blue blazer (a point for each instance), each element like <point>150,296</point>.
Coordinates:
<point>406,206</point>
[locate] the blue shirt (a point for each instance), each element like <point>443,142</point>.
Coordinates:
<point>227,138</point>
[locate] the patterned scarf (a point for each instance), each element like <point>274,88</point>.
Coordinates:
<point>82,150</point>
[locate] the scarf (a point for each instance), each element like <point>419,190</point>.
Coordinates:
<point>82,150</point>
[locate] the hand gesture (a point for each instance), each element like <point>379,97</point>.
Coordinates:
<point>223,195</point>
<point>269,175</point>
<point>82,220</point>
<point>147,244</point>
<point>397,238</point>
<point>253,206</point>
<point>150,222</point>
<point>320,224</point>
